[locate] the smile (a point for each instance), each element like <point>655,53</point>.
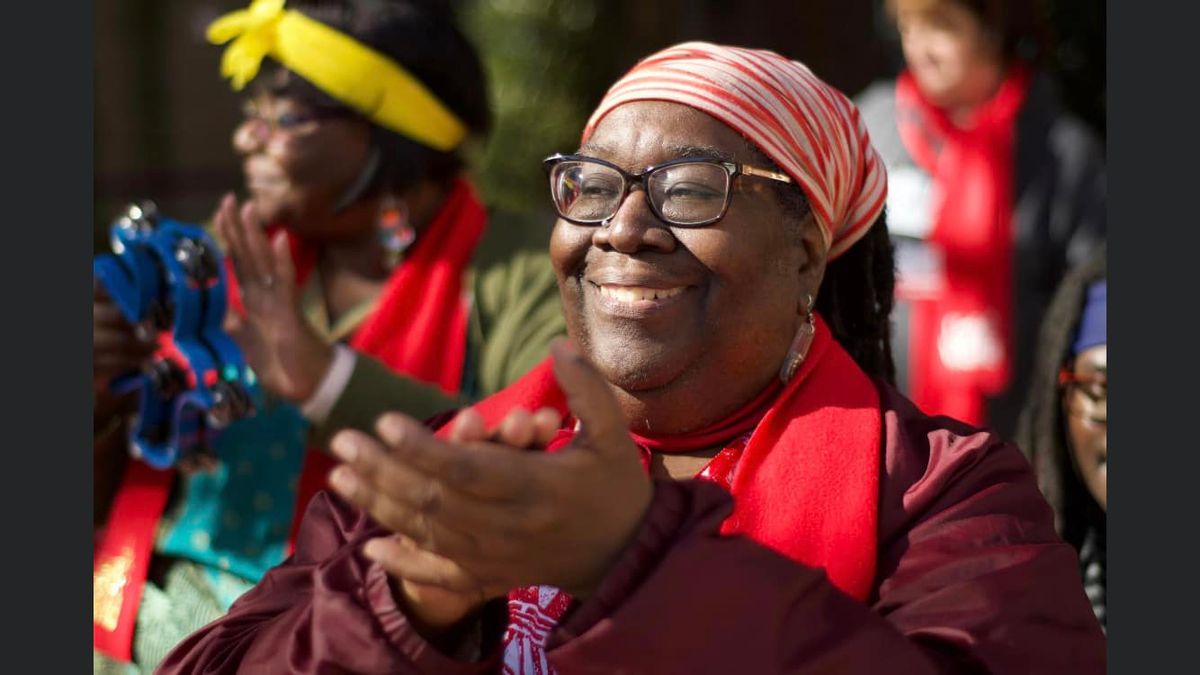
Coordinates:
<point>632,294</point>
<point>637,302</point>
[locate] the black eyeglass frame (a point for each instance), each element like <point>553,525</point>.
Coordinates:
<point>629,180</point>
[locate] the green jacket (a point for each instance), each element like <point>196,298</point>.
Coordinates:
<point>514,313</point>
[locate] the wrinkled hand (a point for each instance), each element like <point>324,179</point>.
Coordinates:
<point>433,608</point>
<point>285,352</point>
<point>477,519</point>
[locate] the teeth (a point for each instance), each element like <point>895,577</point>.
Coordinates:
<point>635,293</point>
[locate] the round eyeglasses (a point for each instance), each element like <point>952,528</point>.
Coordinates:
<point>686,192</point>
<point>1086,395</point>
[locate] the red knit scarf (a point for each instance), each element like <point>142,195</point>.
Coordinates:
<point>962,336</point>
<point>419,325</point>
<point>418,328</point>
<point>806,483</point>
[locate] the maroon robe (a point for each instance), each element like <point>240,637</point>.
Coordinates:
<point>971,577</point>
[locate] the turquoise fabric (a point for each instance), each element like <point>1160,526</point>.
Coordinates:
<point>236,519</point>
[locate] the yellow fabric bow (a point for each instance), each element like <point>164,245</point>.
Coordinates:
<point>339,65</point>
<point>253,33</point>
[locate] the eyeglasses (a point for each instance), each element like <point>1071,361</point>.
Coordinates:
<point>686,192</point>
<point>292,122</point>
<point>1086,395</point>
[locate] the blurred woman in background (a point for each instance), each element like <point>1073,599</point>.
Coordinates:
<point>995,191</point>
<point>366,277</point>
<point>1064,427</point>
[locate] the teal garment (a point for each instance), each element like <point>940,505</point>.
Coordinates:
<point>236,519</point>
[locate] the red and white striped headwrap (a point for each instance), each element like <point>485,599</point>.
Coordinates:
<point>811,130</point>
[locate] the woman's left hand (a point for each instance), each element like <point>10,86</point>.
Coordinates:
<point>481,518</point>
<point>287,355</point>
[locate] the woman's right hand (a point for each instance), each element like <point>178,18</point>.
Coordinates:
<point>278,342</point>
<point>116,347</point>
<point>434,609</point>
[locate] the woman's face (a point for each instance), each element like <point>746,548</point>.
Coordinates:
<point>298,163</point>
<point>1085,402</point>
<point>949,53</point>
<point>686,323</point>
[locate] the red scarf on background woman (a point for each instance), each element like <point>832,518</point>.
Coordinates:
<point>961,337</point>
<point>418,328</point>
<point>419,325</point>
<point>801,460</point>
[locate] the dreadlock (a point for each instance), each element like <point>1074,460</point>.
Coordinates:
<point>856,300</point>
<point>857,292</point>
<point>1041,429</point>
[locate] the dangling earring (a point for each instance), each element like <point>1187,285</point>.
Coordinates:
<point>800,344</point>
<point>395,234</point>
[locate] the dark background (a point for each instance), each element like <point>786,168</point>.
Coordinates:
<point>163,116</point>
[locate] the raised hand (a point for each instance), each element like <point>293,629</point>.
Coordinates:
<point>283,349</point>
<point>479,518</point>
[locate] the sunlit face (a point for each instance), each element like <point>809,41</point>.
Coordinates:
<point>298,163</point>
<point>1085,402</point>
<point>686,323</point>
<point>951,56</point>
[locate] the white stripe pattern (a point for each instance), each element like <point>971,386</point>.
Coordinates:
<point>811,130</point>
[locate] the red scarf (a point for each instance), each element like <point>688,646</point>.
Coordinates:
<point>962,336</point>
<point>805,483</point>
<point>418,328</point>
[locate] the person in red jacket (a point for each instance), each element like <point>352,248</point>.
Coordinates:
<point>715,474</point>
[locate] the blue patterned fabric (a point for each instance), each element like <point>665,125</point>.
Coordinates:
<point>236,519</point>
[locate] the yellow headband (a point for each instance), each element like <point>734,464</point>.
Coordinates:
<point>342,67</point>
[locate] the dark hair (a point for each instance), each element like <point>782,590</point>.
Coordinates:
<point>857,292</point>
<point>1041,429</point>
<point>423,38</point>
<point>856,300</point>
<point>1018,27</point>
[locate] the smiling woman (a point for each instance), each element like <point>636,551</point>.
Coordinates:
<point>729,483</point>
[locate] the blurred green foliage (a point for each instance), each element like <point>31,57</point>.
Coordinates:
<point>548,62</point>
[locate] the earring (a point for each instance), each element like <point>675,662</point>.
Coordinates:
<point>395,233</point>
<point>800,344</point>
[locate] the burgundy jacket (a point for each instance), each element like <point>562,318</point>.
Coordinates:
<point>971,578</point>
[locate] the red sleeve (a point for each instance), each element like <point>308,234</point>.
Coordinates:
<point>327,609</point>
<point>972,578</point>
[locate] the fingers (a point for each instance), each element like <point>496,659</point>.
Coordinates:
<point>482,470</point>
<point>116,346</point>
<point>546,423</point>
<point>602,425</point>
<point>517,429</point>
<point>251,259</point>
<point>281,253</point>
<point>260,258</point>
<point>468,427</point>
<point>407,501</point>
<point>401,557</point>
<point>231,235</point>
<point>522,429</point>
